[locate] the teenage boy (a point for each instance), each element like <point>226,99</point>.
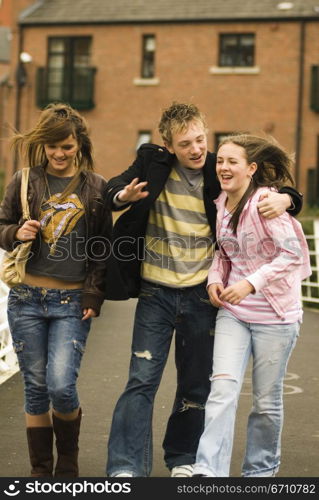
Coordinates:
<point>162,248</point>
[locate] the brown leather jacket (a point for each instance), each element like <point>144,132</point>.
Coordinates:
<point>98,224</point>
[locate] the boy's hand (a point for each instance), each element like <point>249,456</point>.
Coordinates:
<point>133,192</point>
<point>272,204</point>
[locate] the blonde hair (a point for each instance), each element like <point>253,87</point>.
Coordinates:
<point>176,118</point>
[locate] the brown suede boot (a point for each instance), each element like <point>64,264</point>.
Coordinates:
<point>67,439</point>
<point>40,443</point>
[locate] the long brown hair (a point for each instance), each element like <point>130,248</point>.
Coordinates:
<point>273,166</point>
<point>57,122</point>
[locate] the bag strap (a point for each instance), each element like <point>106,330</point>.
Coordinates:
<point>24,193</point>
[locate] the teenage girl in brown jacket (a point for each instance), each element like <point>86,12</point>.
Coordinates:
<point>50,312</point>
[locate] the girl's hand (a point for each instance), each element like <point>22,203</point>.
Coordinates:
<point>133,192</point>
<point>235,293</point>
<point>28,231</point>
<point>88,313</point>
<point>214,292</point>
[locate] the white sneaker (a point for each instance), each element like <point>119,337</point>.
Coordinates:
<point>124,474</point>
<point>182,471</point>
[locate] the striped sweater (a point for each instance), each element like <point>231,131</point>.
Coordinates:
<point>178,237</point>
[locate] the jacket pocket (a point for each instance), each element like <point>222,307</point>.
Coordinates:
<point>96,207</point>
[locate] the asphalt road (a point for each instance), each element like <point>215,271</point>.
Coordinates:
<point>103,376</point>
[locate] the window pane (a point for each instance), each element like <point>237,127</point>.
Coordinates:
<point>246,40</point>
<point>56,61</point>
<point>56,45</point>
<point>229,41</point>
<point>5,43</point>
<point>82,49</point>
<point>228,45</point>
<point>144,136</point>
<point>81,82</point>
<point>246,52</point>
<point>55,83</point>
<point>150,43</point>
<point>148,56</point>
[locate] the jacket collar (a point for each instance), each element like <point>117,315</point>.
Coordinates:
<point>221,201</point>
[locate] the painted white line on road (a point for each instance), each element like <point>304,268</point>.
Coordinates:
<point>288,389</point>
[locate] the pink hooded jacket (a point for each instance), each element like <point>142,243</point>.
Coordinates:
<point>275,250</point>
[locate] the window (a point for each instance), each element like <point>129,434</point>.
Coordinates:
<point>5,41</point>
<point>314,90</point>
<point>68,76</point>
<point>148,56</point>
<point>313,182</point>
<point>237,50</point>
<point>144,136</point>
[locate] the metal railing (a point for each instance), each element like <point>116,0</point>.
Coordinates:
<point>8,359</point>
<point>74,85</point>
<point>310,287</point>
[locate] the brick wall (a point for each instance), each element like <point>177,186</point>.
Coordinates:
<point>266,101</point>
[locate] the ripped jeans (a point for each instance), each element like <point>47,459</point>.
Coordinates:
<point>160,311</point>
<point>49,339</point>
<point>270,347</point>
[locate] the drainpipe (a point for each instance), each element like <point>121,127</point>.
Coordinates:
<point>300,100</point>
<point>20,82</point>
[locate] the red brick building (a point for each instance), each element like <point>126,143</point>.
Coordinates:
<point>250,66</point>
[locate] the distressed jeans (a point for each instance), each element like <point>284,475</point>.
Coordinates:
<point>49,339</point>
<point>160,311</point>
<point>270,347</point>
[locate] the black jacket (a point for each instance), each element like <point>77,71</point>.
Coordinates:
<point>152,164</point>
<point>98,223</point>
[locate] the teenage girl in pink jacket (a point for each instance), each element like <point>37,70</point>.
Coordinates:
<point>255,279</point>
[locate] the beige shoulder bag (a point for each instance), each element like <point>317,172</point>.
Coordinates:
<point>13,263</point>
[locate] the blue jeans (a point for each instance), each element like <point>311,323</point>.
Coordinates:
<point>270,347</point>
<point>49,339</point>
<point>160,311</point>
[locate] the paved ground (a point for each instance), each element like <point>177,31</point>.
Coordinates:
<point>103,376</point>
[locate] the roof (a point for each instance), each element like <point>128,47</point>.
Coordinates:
<point>137,11</point>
